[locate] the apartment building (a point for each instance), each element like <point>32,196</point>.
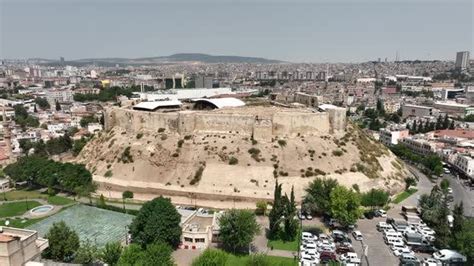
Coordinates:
<point>465,164</point>
<point>419,145</point>
<point>18,246</point>
<point>391,137</point>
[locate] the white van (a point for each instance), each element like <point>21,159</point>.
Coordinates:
<point>393,234</point>
<point>383,226</point>
<point>393,241</point>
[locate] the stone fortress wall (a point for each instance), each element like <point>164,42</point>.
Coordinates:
<point>261,126</point>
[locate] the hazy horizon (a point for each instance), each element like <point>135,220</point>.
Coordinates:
<point>296,31</point>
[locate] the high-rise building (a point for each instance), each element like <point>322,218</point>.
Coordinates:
<point>462,60</point>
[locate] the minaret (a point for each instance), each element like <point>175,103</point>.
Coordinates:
<point>6,134</point>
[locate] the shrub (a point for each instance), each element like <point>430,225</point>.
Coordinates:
<point>261,207</point>
<point>188,137</point>
<point>282,142</point>
<point>254,142</point>
<point>175,154</point>
<point>337,153</point>
<point>233,161</point>
<point>160,130</point>
<point>139,135</point>
<point>180,143</point>
<point>126,156</point>
<point>197,176</point>
<point>108,173</point>
<point>164,136</point>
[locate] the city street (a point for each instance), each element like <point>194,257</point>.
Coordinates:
<point>462,193</point>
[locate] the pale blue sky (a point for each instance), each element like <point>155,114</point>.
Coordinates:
<point>297,31</point>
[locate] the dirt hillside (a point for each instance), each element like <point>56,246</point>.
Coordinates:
<point>219,169</point>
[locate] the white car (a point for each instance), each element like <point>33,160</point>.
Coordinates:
<point>380,213</point>
<point>430,262</point>
<point>357,235</point>
<point>403,251</point>
<point>383,226</point>
<point>311,253</point>
<point>308,236</point>
<point>426,231</point>
<point>324,237</point>
<point>308,247</point>
<point>350,257</point>
<point>308,260</point>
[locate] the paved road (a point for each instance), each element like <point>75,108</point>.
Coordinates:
<point>462,193</point>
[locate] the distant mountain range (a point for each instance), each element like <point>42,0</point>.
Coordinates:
<point>175,58</point>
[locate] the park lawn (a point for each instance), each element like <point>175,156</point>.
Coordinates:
<point>282,245</point>
<point>20,223</point>
<point>58,200</point>
<point>233,260</point>
<point>16,208</point>
<point>24,194</point>
<point>404,195</point>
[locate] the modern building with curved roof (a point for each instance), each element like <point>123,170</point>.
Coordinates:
<point>217,103</point>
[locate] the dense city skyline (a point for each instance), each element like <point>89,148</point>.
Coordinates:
<point>296,32</point>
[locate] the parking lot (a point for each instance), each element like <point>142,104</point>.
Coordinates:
<point>378,252</point>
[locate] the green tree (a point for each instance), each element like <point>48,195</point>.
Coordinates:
<point>445,121</point>
<point>276,212</point>
<point>464,241</point>
<point>63,242</point>
<point>410,181</point>
<point>259,259</point>
<point>111,253</point>
<point>42,103</point>
<point>452,126</point>
<point>317,198</point>
<point>157,221</point>
<point>158,253</point>
<point>126,195</point>
<point>261,207</point>
<point>86,254</point>
<point>459,219</point>
<point>238,229</point>
<point>444,185</point>
<point>290,224</point>
<point>375,198</point>
<point>211,257</point>
<point>131,255</point>
<point>345,205</point>
<point>87,120</point>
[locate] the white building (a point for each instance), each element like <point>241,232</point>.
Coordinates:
<point>419,145</point>
<point>18,246</point>
<point>392,137</point>
<point>465,164</point>
<point>57,95</point>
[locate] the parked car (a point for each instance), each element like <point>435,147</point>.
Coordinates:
<point>309,260</point>
<point>300,215</point>
<point>407,259</point>
<point>344,249</point>
<point>424,248</point>
<point>308,236</point>
<point>380,213</point>
<point>431,262</point>
<point>369,214</point>
<point>340,236</point>
<point>403,251</point>
<point>357,235</point>
<point>350,257</point>
<point>326,256</point>
<point>382,226</point>
<point>449,256</point>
